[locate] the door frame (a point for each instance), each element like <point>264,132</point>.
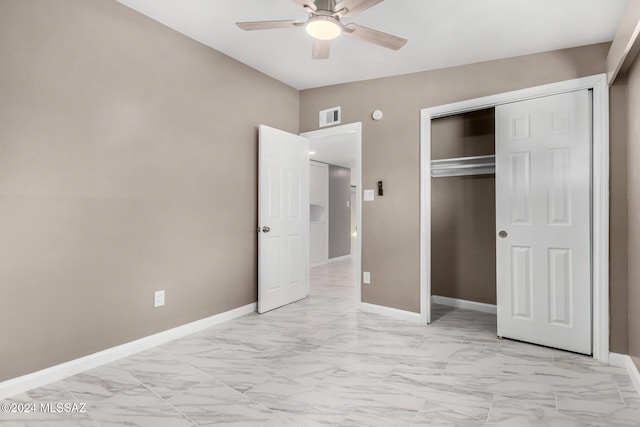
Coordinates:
<point>599,192</point>
<point>356,129</point>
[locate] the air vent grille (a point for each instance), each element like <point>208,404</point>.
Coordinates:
<point>330,117</point>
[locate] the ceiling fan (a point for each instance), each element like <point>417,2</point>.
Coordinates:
<point>324,24</point>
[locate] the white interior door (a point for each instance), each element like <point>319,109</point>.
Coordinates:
<point>283,218</point>
<point>543,179</point>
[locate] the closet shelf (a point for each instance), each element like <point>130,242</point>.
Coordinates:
<point>463,166</point>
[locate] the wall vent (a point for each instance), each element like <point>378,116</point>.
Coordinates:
<point>330,117</point>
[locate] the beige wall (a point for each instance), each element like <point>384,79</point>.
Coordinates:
<point>618,216</point>
<point>463,211</point>
<point>625,45</point>
<point>634,211</point>
<point>128,158</point>
<point>391,152</point>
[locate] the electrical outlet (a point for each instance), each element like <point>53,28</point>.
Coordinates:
<point>158,298</point>
<point>366,277</point>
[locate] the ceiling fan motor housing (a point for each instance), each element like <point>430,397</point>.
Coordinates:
<point>329,5</point>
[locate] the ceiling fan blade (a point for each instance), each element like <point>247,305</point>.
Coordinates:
<point>321,49</point>
<point>267,25</point>
<point>355,7</point>
<point>306,3</point>
<point>378,37</point>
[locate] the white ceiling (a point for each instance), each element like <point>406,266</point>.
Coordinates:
<point>441,33</point>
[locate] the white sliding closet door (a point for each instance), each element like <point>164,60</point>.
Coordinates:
<point>543,177</point>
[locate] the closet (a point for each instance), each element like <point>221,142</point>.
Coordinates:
<point>511,191</point>
<point>463,207</point>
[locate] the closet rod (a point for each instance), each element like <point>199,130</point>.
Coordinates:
<point>463,166</point>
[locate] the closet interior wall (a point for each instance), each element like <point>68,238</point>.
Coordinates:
<point>463,211</point>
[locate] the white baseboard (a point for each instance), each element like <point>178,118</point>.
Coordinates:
<point>339,258</point>
<point>617,359</point>
<point>391,312</point>
<point>632,369</point>
<point>625,361</point>
<point>461,303</point>
<point>317,264</point>
<point>330,260</point>
<point>37,379</point>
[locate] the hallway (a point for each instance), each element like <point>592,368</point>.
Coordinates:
<point>322,361</point>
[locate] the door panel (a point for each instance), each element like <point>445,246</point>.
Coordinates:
<point>521,282</point>
<point>560,292</point>
<point>543,176</point>
<point>283,218</point>
<point>295,195</point>
<point>559,188</point>
<point>274,199</point>
<point>520,164</point>
<point>293,275</point>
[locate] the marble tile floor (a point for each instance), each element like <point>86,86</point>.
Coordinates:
<point>321,361</point>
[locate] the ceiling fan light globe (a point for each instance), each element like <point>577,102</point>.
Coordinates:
<point>323,28</point>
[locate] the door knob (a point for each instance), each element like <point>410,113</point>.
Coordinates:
<point>502,234</point>
<point>266,229</point>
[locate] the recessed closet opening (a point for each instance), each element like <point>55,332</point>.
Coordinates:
<point>551,213</point>
<point>463,211</point>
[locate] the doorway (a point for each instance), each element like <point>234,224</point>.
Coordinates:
<point>599,207</point>
<point>340,149</point>
<point>463,210</point>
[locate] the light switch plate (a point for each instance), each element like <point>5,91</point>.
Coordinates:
<point>158,298</point>
<point>366,277</point>
<point>368,195</point>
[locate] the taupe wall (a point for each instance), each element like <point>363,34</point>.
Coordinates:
<point>128,158</point>
<point>463,211</point>
<point>339,212</point>
<point>618,216</point>
<point>625,45</point>
<point>391,152</point>
<point>634,211</point>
